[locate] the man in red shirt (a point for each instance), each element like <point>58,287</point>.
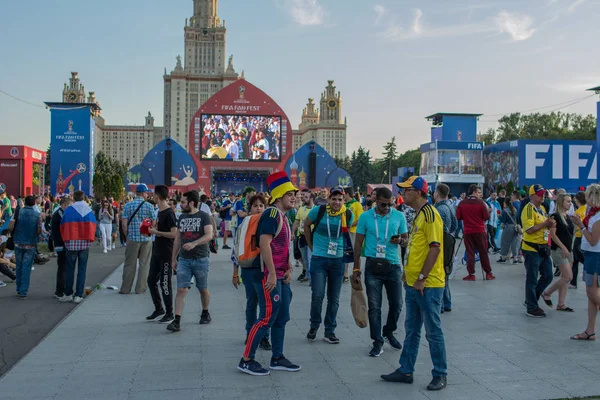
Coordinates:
<point>474,213</point>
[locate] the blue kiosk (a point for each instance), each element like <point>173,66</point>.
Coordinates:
<point>454,156</point>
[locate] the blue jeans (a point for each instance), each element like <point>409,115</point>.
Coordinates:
<point>322,270</point>
<point>79,258</point>
<point>423,309</point>
<point>393,288</point>
<point>306,258</point>
<point>24,258</point>
<point>447,299</point>
<point>252,278</point>
<point>274,314</point>
<point>534,265</point>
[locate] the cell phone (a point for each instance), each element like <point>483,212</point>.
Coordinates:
<point>395,237</point>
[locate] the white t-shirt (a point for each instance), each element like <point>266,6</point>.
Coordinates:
<point>233,150</point>
<point>204,207</point>
<point>585,245</point>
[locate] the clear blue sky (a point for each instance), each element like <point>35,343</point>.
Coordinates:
<point>395,61</point>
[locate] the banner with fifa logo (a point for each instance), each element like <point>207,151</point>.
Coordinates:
<point>71,149</point>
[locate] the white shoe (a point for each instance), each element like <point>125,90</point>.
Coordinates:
<point>105,251</point>
<point>2,284</point>
<point>33,268</point>
<point>77,299</point>
<point>66,299</point>
<point>113,246</point>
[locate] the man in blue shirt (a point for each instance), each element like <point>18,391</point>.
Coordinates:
<point>446,210</point>
<point>227,207</point>
<point>381,229</point>
<point>331,223</point>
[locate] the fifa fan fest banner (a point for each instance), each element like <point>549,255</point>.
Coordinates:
<point>71,149</point>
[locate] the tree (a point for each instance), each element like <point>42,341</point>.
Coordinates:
<point>343,163</point>
<point>98,184</point>
<point>361,168</point>
<point>410,158</point>
<point>109,175</point>
<point>47,168</point>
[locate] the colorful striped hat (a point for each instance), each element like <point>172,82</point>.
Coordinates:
<point>279,184</point>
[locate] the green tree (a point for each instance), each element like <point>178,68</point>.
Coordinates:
<point>99,185</point>
<point>343,163</point>
<point>47,168</point>
<point>410,158</point>
<point>361,168</point>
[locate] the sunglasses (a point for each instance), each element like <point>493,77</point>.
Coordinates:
<point>385,205</point>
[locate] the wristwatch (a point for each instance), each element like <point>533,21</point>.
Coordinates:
<point>422,277</point>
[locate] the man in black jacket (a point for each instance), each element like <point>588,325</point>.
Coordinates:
<point>59,246</point>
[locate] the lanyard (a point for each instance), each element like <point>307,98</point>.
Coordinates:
<point>387,226</point>
<point>329,229</point>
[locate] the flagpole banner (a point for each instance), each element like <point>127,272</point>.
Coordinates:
<point>71,150</point>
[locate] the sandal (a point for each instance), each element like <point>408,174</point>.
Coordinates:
<point>564,308</point>
<point>548,300</point>
<point>584,336</point>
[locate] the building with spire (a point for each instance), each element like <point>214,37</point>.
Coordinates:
<point>323,125</point>
<point>202,72</point>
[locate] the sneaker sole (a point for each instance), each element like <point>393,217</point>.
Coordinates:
<point>535,316</point>
<point>285,369</point>
<point>376,355</point>
<point>166,322</point>
<point>247,371</point>
<point>173,330</point>
<point>154,319</point>
<point>311,339</point>
<point>393,347</point>
<point>330,341</point>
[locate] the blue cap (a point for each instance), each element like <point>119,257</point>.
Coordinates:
<point>227,136</point>
<point>142,188</point>
<point>2,188</point>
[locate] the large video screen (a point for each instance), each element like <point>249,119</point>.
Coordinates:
<point>241,138</point>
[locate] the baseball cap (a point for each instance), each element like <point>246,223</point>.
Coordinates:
<point>415,182</point>
<point>2,188</point>
<point>227,136</point>
<point>336,190</point>
<point>537,190</point>
<point>142,188</point>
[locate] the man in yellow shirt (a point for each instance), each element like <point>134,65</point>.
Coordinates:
<point>353,205</point>
<point>536,231</point>
<point>424,280</point>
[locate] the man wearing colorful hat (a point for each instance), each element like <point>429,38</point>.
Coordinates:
<point>536,231</point>
<point>424,278</point>
<point>274,270</point>
<point>326,240</point>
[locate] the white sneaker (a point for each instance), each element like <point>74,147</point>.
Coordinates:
<point>77,299</point>
<point>2,284</point>
<point>105,251</point>
<point>66,299</point>
<point>114,246</point>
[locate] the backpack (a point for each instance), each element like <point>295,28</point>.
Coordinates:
<point>449,242</point>
<point>247,244</point>
<point>321,214</point>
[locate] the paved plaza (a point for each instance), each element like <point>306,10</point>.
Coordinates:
<point>106,350</point>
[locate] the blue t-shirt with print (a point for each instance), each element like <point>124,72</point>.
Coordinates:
<point>227,202</point>
<point>366,227</point>
<point>239,206</point>
<point>321,236</point>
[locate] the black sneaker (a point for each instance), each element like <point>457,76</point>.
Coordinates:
<point>252,367</point>
<point>332,339</point>
<point>537,313</point>
<point>155,315</point>
<point>437,383</point>
<point>22,296</point>
<point>501,260</point>
<point>301,276</point>
<point>391,339</point>
<point>312,334</point>
<point>167,319</point>
<point>174,326</point>
<point>265,345</point>
<point>225,247</point>
<point>283,364</point>
<point>205,318</point>
<point>377,349</point>
<point>398,376</point>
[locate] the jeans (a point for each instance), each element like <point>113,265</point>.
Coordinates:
<point>306,258</point>
<point>24,258</point>
<point>61,272</point>
<point>447,298</point>
<point>423,309</point>
<point>534,265</point>
<point>252,278</point>
<point>79,257</point>
<point>393,288</point>
<point>274,314</point>
<point>330,272</point>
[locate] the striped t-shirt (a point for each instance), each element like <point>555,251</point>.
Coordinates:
<point>280,245</point>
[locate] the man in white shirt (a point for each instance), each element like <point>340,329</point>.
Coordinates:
<point>261,148</point>
<point>231,147</point>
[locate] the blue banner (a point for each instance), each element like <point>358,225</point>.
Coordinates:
<point>567,164</point>
<point>71,149</point>
<point>451,145</point>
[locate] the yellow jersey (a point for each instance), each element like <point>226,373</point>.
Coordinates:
<point>300,217</point>
<point>357,210</point>
<point>427,231</point>
<point>581,212</point>
<point>531,216</point>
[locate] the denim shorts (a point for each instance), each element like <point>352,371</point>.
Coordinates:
<point>197,268</point>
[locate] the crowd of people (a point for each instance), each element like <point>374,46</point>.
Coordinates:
<point>236,137</point>
<point>406,244</point>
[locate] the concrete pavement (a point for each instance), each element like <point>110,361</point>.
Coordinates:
<point>106,350</point>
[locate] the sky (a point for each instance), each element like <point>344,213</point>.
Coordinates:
<point>394,61</point>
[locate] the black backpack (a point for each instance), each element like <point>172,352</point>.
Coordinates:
<point>449,243</point>
<point>321,214</point>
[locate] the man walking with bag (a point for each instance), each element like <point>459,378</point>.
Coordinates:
<point>444,207</point>
<point>381,229</point>
<point>138,245</point>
